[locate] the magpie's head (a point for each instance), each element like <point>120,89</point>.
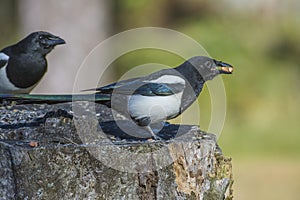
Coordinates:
<point>42,42</point>
<point>210,68</point>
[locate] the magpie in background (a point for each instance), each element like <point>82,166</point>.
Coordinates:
<point>160,96</point>
<point>23,65</point>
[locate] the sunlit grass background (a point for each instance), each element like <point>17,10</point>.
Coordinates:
<point>262,41</point>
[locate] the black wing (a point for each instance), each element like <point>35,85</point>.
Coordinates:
<point>154,89</point>
<point>108,89</point>
<point>138,86</point>
<point>149,89</point>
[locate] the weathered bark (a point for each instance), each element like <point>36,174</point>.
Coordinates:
<point>73,159</point>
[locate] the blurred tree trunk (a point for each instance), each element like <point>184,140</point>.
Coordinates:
<point>83,24</point>
<point>8,22</point>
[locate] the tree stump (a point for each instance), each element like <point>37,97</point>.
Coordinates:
<point>59,158</point>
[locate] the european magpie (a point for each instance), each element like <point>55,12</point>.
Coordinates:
<point>160,96</point>
<point>22,65</point>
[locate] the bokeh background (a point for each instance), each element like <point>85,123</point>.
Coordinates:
<point>260,38</point>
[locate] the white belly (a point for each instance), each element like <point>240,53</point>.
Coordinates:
<point>158,108</point>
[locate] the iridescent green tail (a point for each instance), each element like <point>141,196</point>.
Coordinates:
<point>53,99</point>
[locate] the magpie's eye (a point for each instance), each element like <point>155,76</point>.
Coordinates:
<point>41,37</point>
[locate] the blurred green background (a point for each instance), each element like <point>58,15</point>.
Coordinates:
<point>262,40</point>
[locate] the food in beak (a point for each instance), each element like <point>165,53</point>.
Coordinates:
<point>227,69</point>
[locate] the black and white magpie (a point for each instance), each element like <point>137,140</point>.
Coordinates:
<point>23,65</point>
<point>160,96</point>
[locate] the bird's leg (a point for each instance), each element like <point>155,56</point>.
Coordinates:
<point>156,137</point>
<point>144,122</point>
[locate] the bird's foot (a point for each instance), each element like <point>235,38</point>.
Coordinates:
<point>157,138</point>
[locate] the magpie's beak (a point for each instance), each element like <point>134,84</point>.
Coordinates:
<point>54,40</point>
<point>224,68</point>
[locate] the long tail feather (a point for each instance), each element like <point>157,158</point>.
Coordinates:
<point>53,99</point>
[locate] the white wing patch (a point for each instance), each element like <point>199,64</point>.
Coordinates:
<point>158,108</point>
<point>169,79</point>
<point>3,57</point>
<point>5,85</point>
